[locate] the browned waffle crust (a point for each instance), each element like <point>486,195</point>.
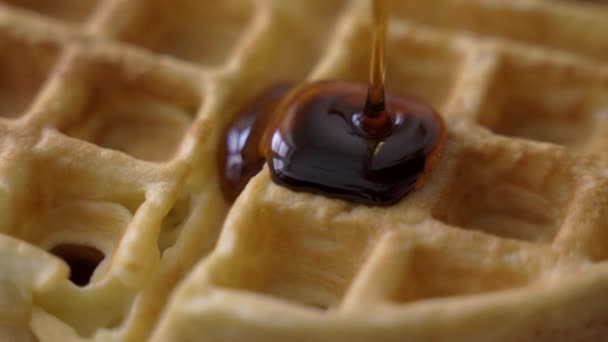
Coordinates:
<point>112,116</point>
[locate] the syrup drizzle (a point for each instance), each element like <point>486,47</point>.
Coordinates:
<point>317,148</point>
<point>340,139</point>
<point>375,119</point>
<point>241,156</point>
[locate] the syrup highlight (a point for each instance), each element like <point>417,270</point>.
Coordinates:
<point>241,157</point>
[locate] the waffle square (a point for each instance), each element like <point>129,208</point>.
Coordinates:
<point>114,227</point>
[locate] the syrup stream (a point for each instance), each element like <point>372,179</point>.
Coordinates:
<point>375,120</point>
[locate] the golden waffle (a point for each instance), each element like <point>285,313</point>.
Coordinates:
<point>113,112</point>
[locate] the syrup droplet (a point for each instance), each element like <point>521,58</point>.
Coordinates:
<point>240,155</point>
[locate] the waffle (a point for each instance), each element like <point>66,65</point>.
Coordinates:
<point>113,113</point>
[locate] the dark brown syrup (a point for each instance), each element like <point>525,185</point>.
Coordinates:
<point>241,157</point>
<point>320,145</point>
<point>341,139</point>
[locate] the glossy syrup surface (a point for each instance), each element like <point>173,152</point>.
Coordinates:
<point>240,156</point>
<point>338,139</point>
<point>318,145</point>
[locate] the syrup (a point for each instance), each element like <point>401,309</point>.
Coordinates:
<point>321,145</point>
<point>240,155</point>
<point>341,139</point>
<point>374,119</point>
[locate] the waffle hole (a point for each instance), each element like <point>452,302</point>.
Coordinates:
<point>152,132</point>
<point>68,10</point>
<point>519,23</point>
<point>302,262</point>
<point>199,31</point>
<point>146,119</point>
<point>555,106</point>
<point>82,260</point>
<point>508,194</point>
<point>567,123</point>
<point>24,67</point>
<point>431,275</point>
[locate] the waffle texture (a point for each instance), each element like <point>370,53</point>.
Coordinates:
<point>113,112</point>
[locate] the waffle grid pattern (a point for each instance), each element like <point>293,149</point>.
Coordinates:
<point>112,114</point>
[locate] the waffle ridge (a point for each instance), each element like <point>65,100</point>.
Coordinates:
<point>112,111</point>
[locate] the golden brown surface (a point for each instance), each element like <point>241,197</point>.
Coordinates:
<point>112,112</point>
